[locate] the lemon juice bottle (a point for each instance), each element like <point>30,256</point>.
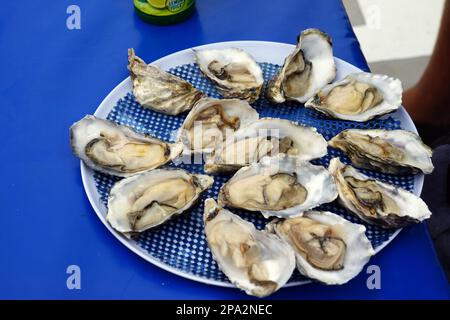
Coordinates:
<point>164,11</point>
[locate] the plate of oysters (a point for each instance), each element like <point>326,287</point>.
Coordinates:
<point>256,165</point>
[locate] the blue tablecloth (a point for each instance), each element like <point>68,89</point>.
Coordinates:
<point>51,76</point>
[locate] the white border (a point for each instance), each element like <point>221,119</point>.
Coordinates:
<point>263,51</point>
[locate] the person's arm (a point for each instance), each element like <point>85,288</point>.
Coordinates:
<point>428,102</point>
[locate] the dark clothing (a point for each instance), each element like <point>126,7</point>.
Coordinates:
<point>436,193</point>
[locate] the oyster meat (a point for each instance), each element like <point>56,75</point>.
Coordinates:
<point>267,137</point>
<point>118,150</point>
<point>359,97</point>
<point>255,261</point>
<point>234,72</point>
<point>159,90</point>
<point>211,120</point>
<point>306,70</point>
<point>327,247</point>
<point>388,151</point>
<point>374,201</point>
<point>278,186</point>
<point>149,199</point>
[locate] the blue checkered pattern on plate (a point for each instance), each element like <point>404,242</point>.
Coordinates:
<point>180,243</point>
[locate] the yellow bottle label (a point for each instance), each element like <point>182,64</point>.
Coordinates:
<point>158,4</point>
<point>163,7</point>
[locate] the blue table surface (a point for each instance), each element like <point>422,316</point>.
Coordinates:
<point>52,76</point>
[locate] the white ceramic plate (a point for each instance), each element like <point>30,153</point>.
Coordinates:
<point>270,52</point>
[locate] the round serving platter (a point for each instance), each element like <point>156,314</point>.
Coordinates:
<point>179,245</point>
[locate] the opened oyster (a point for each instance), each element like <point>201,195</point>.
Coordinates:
<point>327,247</point>
<point>158,90</point>
<point>210,120</point>
<point>278,186</point>
<point>149,199</point>
<point>374,201</point>
<point>255,261</point>
<point>306,70</point>
<point>359,97</point>
<point>394,151</point>
<point>267,137</point>
<point>234,72</point>
<point>118,150</point>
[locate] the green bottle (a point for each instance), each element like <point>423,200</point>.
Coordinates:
<point>164,11</point>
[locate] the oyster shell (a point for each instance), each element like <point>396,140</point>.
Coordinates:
<point>210,120</point>
<point>255,261</point>
<point>278,186</point>
<point>374,201</point>
<point>306,70</point>
<point>327,247</point>
<point>149,199</point>
<point>267,137</point>
<point>359,97</point>
<point>159,90</point>
<point>118,150</point>
<point>234,72</point>
<point>388,151</point>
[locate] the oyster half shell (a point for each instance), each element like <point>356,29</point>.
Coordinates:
<point>234,72</point>
<point>374,201</point>
<point>147,200</point>
<point>118,150</point>
<point>359,97</point>
<point>278,186</point>
<point>159,90</point>
<point>255,261</point>
<point>327,247</point>
<point>306,70</point>
<point>267,137</point>
<point>211,120</point>
<point>388,151</point>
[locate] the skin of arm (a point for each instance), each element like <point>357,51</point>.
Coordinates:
<point>428,102</point>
